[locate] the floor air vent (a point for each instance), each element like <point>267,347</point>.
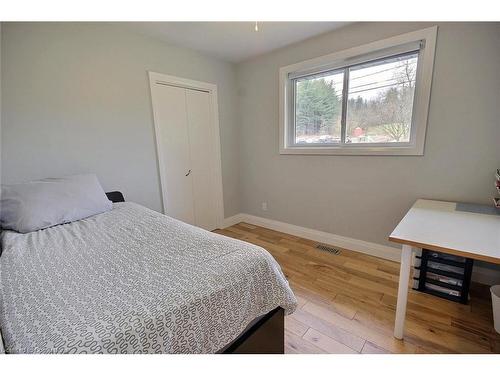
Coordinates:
<point>330,249</point>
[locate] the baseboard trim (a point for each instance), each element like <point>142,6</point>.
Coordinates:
<point>232,220</point>
<point>369,248</point>
<point>480,274</point>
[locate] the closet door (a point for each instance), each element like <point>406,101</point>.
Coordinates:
<point>188,149</point>
<point>171,121</point>
<point>202,151</point>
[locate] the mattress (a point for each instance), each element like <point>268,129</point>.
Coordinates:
<point>132,280</point>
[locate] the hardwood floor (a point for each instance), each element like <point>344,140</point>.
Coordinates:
<point>347,303</point>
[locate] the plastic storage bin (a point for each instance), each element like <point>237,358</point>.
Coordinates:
<point>443,275</point>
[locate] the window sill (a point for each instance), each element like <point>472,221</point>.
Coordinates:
<point>354,151</point>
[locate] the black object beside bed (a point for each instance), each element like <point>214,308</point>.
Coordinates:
<point>115,196</point>
<point>265,335</point>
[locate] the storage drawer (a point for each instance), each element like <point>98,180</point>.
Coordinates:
<point>444,275</point>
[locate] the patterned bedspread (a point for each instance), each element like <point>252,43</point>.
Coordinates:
<point>132,281</point>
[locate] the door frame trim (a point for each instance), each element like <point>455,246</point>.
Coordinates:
<point>159,78</point>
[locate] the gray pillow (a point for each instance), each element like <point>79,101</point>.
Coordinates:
<point>35,205</point>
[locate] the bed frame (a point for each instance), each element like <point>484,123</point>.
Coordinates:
<point>264,335</point>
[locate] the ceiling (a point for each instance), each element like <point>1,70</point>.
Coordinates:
<point>233,41</point>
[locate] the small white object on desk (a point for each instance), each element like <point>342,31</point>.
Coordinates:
<point>467,230</point>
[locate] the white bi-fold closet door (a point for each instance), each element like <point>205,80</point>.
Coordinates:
<point>187,136</point>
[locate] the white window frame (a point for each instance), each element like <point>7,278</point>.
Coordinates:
<point>426,40</point>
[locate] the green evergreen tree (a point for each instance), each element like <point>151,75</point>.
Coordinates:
<point>318,107</point>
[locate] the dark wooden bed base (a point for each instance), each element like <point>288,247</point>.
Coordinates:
<point>265,335</point>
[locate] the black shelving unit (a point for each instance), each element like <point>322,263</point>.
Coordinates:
<point>444,275</point>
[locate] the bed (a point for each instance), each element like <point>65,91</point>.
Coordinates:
<point>132,280</point>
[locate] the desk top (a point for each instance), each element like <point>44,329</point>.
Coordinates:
<point>468,230</point>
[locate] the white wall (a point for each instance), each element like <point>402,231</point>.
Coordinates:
<point>0,103</point>
<point>76,99</point>
<point>364,197</point>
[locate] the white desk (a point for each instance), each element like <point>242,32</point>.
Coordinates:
<point>471,231</point>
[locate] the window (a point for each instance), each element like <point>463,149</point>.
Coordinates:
<point>370,100</point>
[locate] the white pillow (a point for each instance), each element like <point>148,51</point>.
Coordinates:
<point>35,205</point>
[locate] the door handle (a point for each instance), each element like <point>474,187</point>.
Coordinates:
<point>189,172</point>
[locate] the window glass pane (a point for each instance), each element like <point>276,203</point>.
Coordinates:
<point>380,100</point>
<point>318,108</point>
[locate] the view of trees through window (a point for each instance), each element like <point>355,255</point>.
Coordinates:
<point>318,109</point>
<point>379,103</point>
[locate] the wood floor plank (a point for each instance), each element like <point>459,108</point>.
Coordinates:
<point>348,301</point>
<point>421,334</point>
<point>247,226</point>
<point>420,312</point>
<point>301,301</point>
<point>341,309</point>
<point>326,343</point>
<point>297,345</point>
<point>310,295</point>
<point>329,329</point>
<point>270,246</point>
<point>240,232</point>
<point>478,326</point>
<point>357,291</point>
<point>374,286</point>
<point>366,331</point>
<point>370,348</point>
<point>426,300</point>
<point>371,269</point>
<point>228,233</point>
<point>294,326</point>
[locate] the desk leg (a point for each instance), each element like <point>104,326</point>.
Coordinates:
<point>404,276</point>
